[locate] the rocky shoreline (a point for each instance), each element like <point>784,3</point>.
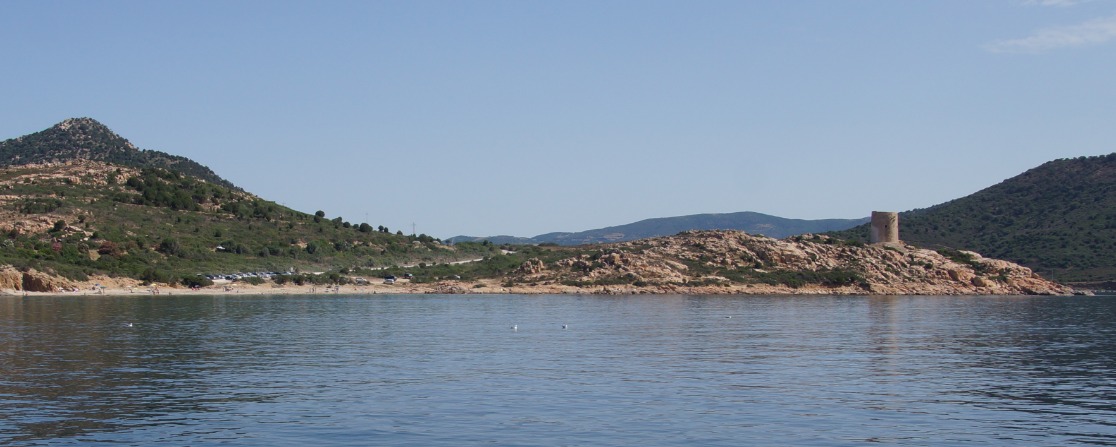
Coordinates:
<point>690,263</point>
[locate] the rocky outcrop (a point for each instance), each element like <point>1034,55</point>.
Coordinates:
<point>533,266</point>
<point>13,280</point>
<point>14,222</point>
<point>736,262</point>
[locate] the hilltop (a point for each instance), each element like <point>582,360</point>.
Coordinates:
<point>753,223</point>
<point>87,139</point>
<point>1058,219</point>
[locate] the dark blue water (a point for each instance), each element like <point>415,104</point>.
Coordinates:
<point>429,370</point>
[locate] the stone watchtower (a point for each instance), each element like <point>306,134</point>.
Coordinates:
<point>885,227</point>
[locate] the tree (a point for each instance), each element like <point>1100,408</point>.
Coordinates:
<point>169,246</point>
<point>109,248</point>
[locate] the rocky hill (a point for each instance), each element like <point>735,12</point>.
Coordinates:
<point>737,262</point>
<point>1058,219</point>
<point>85,139</point>
<point>751,222</point>
<point>78,202</point>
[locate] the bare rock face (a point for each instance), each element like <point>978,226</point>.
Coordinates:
<point>31,281</point>
<point>11,279</point>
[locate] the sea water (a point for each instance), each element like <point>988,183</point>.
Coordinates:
<point>512,370</point>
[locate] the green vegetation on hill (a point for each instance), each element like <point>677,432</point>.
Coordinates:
<point>160,225</point>
<point>87,139</point>
<point>1058,219</point>
<point>79,200</point>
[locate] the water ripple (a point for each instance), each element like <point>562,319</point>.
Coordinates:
<point>448,370</point>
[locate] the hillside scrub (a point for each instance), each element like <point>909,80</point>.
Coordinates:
<point>1059,219</point>
<point>160,225</point>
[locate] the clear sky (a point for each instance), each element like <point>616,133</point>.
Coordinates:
<point>524,117</point>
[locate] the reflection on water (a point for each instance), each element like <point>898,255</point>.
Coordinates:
<point>663,370</point>
<point>78,366</point>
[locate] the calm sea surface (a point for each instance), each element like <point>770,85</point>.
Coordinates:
<point>432,370</point>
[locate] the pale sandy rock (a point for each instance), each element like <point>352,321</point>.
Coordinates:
<point>532,266</point>
<point>660,266</point>
<point>13,280</point>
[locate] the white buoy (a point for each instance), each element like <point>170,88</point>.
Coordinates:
<point>515,327</point>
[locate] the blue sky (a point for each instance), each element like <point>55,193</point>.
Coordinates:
<point>525,117</point>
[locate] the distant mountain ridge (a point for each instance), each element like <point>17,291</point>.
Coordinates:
<point>747,221</point>
<point>87,139</point>
<point>1058,219</point>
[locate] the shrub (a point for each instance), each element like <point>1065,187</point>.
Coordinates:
<point>153,275</point>
<point>961,257</point>
<point>39,206</point>
<point>196,281</point>
<point>169,247</point>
